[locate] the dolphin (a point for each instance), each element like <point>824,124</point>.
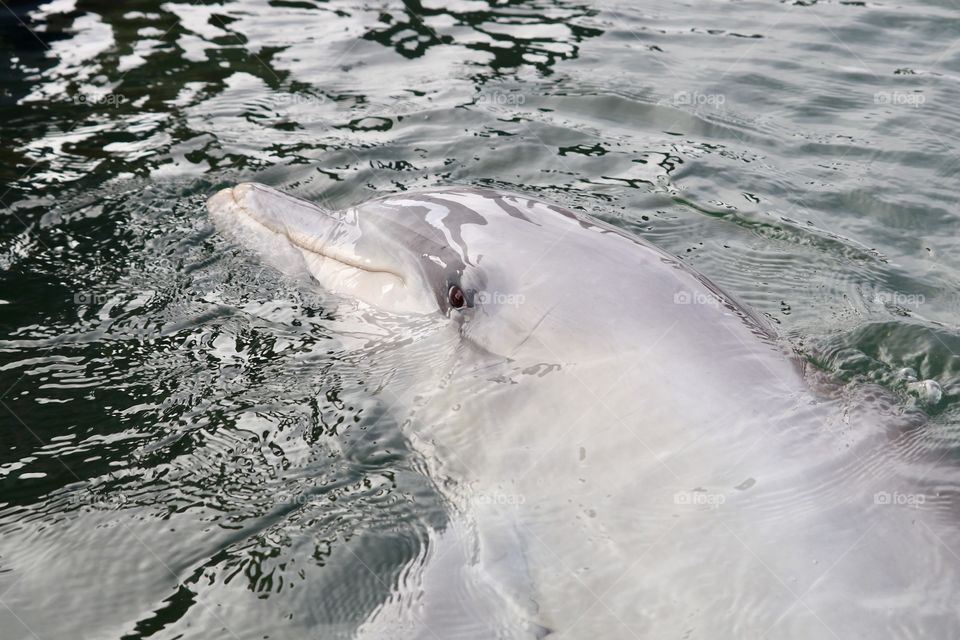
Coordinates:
<point>626,450</point>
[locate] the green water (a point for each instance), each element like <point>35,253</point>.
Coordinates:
<point>182,441</point>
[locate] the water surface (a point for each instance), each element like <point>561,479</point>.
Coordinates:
<point>187,449</point>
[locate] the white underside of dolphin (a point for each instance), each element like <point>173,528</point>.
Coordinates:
<point>625,451</point>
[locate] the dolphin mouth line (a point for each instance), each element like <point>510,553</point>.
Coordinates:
<point>317,248</point>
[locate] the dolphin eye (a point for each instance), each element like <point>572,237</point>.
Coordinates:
<point>456,297</point>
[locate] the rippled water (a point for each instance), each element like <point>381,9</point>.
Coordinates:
<point>188,449</point>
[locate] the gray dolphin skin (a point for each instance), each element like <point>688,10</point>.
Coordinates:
<point>625,451</point>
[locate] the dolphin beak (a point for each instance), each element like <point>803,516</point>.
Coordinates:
<point>222,200</point>
<point>329,244</point>
<point>305,225</point>
<point>279,212</point>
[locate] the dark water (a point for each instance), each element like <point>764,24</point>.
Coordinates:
<point>186,450</point>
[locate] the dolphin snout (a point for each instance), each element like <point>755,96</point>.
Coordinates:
<point>324,235</point>
<point>262,204</point>
<point>221,200</point>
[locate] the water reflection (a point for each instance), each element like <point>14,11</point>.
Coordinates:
<point>512,34</point>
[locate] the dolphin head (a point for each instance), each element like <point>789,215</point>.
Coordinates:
<point>504,269</point>
<point>381,261</point>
